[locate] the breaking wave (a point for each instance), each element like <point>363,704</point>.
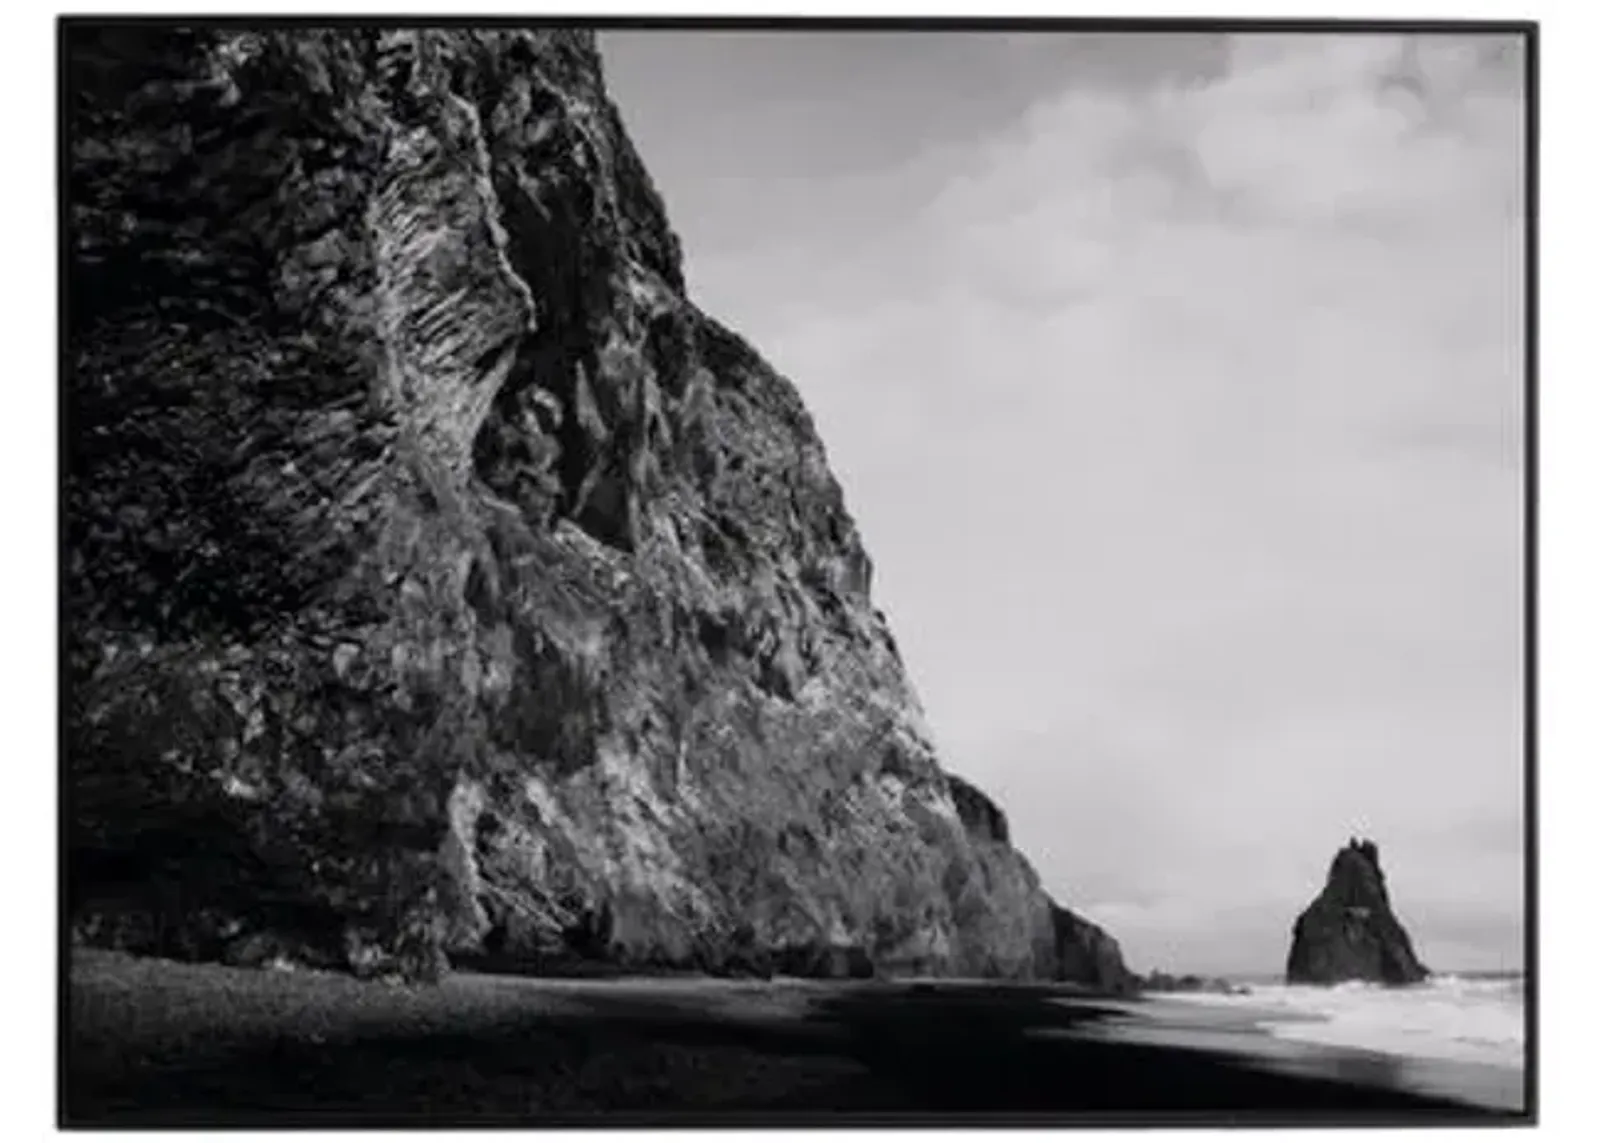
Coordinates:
<point>1475,1019</point>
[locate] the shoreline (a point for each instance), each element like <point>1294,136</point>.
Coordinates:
<point>1251,1029</point>
<point>154,1043</point>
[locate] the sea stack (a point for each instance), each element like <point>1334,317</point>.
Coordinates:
<point>440,580</point>
<point>1350,932</point>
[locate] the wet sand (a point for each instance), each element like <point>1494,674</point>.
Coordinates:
<point>154,1043</point>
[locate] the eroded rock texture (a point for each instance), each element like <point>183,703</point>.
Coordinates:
<point>1350,932</point>
<point>441,582</point>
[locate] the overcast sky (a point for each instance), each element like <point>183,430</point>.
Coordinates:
<point>1175,383</point>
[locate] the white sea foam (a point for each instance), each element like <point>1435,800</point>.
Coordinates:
<point>1470,1019</point>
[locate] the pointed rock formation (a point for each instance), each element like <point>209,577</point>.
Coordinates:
<point>1350,932</point>
<point>441,582</point>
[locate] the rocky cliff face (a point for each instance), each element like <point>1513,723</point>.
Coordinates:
<point>1350,932</point>
<point>440,580</point>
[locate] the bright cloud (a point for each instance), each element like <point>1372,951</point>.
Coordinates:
<point>1183,421</point>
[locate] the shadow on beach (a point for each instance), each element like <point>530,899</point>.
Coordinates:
<point>159,1044</point>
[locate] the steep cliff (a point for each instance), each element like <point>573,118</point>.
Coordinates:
<point>440,581</point>
<point>1350,932</point>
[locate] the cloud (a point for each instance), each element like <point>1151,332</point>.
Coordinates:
<point>1183,421</point>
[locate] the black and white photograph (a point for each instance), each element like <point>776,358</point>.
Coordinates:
<point>673,571</point>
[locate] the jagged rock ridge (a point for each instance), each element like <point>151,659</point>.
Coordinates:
<point>1350,932</point>
<point>440,580</point>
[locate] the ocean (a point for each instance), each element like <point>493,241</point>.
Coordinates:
<point>1470,1018</point>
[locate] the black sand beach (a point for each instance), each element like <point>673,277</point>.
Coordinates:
<point>154,1043</point>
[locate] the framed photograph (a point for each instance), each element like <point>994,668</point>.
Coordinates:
<point>796,572</point>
